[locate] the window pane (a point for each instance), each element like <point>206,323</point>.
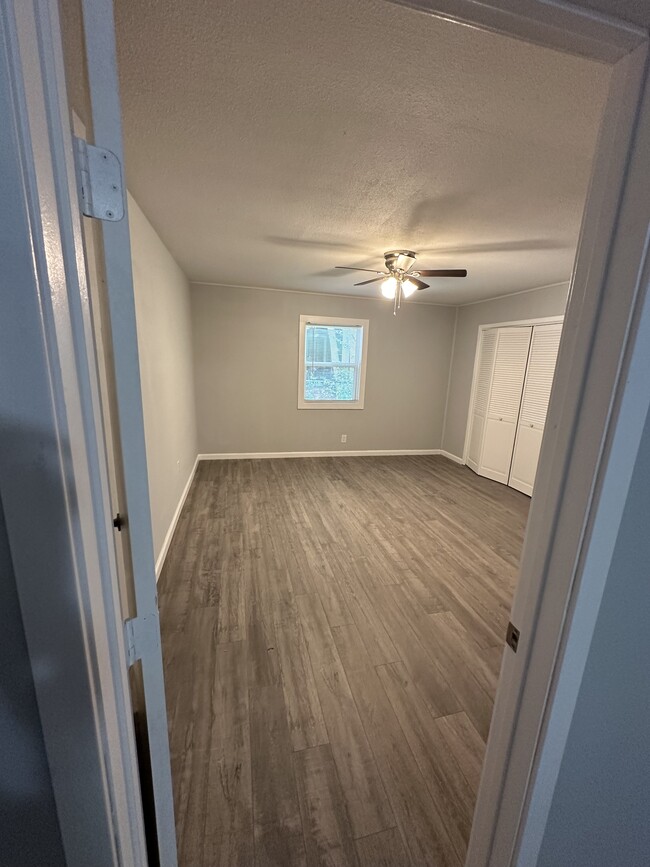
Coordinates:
<point>333,343</point>
<point>331,383</point>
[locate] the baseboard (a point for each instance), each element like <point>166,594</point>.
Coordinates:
<point>451,457</point>
<point>341,453</point>
<point>160,562</point>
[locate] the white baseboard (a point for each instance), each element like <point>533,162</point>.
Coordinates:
<point>340,453</point>
<point>451,457</point>
<point>170,532</point>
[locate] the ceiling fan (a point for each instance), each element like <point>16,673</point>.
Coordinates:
<point>399,280</point>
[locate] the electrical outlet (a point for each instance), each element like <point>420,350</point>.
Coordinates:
<point>344,438</point>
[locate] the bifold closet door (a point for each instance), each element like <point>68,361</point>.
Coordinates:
<point>509,371</point>
<point>532,418</point>
<point>487,351</point>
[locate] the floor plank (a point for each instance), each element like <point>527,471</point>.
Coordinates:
<point>306,723</point>
<point>328,835</point>
<point>228,839</point>
<point>277,821</point>
<point>385,849</point>
<point>419,817</point>
<point>367,806</point>
<point>465,744</point>
<point>442,773</point>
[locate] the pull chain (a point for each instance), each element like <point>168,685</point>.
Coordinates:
<point>397,302</point>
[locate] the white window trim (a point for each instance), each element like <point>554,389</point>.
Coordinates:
<point>364,324</point>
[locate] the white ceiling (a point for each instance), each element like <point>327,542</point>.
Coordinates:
<point>268,142</point>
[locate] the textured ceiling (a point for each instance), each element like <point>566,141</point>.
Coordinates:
<point>268,142</point>
<point>635,12</point>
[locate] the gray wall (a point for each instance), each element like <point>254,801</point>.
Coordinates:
<point>29,829</point>
<point>162,301</point>
<point>529,305</point>
<point>600,811</point>
<point>246,373</point>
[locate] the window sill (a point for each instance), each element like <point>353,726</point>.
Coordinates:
<point>330,404</point>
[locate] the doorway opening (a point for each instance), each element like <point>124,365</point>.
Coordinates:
<point>333,625</point>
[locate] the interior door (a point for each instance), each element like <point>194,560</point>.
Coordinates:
<point>109,256</point>
<point>510,361</point>
<point>532,418</point>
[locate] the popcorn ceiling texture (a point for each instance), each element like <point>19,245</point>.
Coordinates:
<point>268,142</point>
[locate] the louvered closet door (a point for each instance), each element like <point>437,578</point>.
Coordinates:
<point>482,396</point>
<point>504,402</point>
<point>534,404</point>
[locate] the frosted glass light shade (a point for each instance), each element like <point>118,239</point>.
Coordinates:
<point>408,288</point>
<point>389,287</point>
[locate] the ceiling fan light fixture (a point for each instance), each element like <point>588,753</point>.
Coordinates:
<point>389,287</point>
<point>398,282</point>
<point>408,287</point>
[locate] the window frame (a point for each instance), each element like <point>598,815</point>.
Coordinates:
<point>364,324</point>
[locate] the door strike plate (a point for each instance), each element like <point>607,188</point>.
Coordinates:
<point>512,637</point>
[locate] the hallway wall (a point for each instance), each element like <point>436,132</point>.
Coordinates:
<point>599,811</point>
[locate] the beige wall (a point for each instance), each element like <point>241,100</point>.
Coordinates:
<point>550,301</point>
<point>162,300</point>
<point>246,373</point>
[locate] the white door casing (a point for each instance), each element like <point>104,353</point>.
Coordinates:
<point>53,473</point>
<point>142,630</point>
<point>100,322</point>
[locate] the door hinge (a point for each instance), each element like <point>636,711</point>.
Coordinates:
<point>99,175</point>
<point>512,637</point>
<point>119,521</point>
<point>130,642</point>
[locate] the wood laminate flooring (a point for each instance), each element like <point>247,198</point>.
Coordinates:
<point>332,634</point>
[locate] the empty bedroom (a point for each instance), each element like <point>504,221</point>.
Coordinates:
<point>353,229</point>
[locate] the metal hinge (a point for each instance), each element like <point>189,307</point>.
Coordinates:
<point>512,637</point>
<point>99,175</point>
<point>130,641</point>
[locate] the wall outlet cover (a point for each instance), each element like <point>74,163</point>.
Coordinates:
<point>344,438</point>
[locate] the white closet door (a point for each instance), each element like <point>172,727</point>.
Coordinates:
<point>487,351</point>
<point>534,404</point>
<point>504,402</point>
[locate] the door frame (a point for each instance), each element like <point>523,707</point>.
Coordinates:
<point>543,320</point>
<point>596,415</point>
<point>53,469</point>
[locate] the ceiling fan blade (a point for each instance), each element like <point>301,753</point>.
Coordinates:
<point>374,280</point>
<point>369,270</point>
<point>419,283</point>
<point>443,272</point>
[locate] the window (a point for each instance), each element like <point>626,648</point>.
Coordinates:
<point>332,371</point>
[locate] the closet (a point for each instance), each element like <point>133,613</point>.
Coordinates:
<point>513,379</point>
